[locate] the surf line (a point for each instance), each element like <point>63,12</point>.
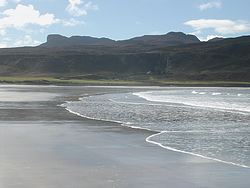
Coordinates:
<point>149,140</point>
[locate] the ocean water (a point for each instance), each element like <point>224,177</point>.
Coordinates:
<point>212,123</point>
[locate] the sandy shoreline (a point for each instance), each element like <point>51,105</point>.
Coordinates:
<point>43,145</point>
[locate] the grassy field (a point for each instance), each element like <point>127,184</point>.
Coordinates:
<point>151,81</point>
<point>59,81</point>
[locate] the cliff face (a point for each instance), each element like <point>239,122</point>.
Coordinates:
<point>55,40</point>
<point>227,59</point>
<point>169,39</point>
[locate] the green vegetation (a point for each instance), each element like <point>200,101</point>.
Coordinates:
<point>150,81</point>
<point>147,62</point>
<point>59,81</point>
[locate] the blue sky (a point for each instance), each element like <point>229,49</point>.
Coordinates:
<point>27,22</point>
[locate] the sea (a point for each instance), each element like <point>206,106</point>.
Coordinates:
<point>212,123</point>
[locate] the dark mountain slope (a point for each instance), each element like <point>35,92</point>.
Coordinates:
<point>62,41</point>
<point>227,59</point>
<point>169,39</point>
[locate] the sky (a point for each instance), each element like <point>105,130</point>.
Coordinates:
<point>28,22</point>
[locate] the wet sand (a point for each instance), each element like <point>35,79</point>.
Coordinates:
<point>44,146</point>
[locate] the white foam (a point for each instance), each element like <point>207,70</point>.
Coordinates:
<point>216,93</point>
<point>92,118</point>
<point>135,103</point>
<point>125,124</point>
<point>126,87</point>
<point>157,143</point>
<point>148,139</point>
<point>196,102</point>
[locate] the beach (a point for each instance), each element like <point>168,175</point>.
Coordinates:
<point>43,145</point>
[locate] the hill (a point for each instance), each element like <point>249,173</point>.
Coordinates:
<point>169,39</point>
<point>142,58</point>
<point>56,40</point>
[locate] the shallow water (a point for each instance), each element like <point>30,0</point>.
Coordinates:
<point>209,122</point>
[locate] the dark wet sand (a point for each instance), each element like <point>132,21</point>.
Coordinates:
<point>44,146</point>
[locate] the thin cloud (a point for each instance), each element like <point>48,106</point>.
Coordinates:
<point>27,40</point>
<point>209,5</point>
<point>22,16</point>
<point>3,45</point>
<point>220,26</point>
<point>72,22</point>
<point>80,8</point>
<point>3,3</point>
<point>209,37</point>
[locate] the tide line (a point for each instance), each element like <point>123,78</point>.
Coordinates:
<point>148,139</point>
